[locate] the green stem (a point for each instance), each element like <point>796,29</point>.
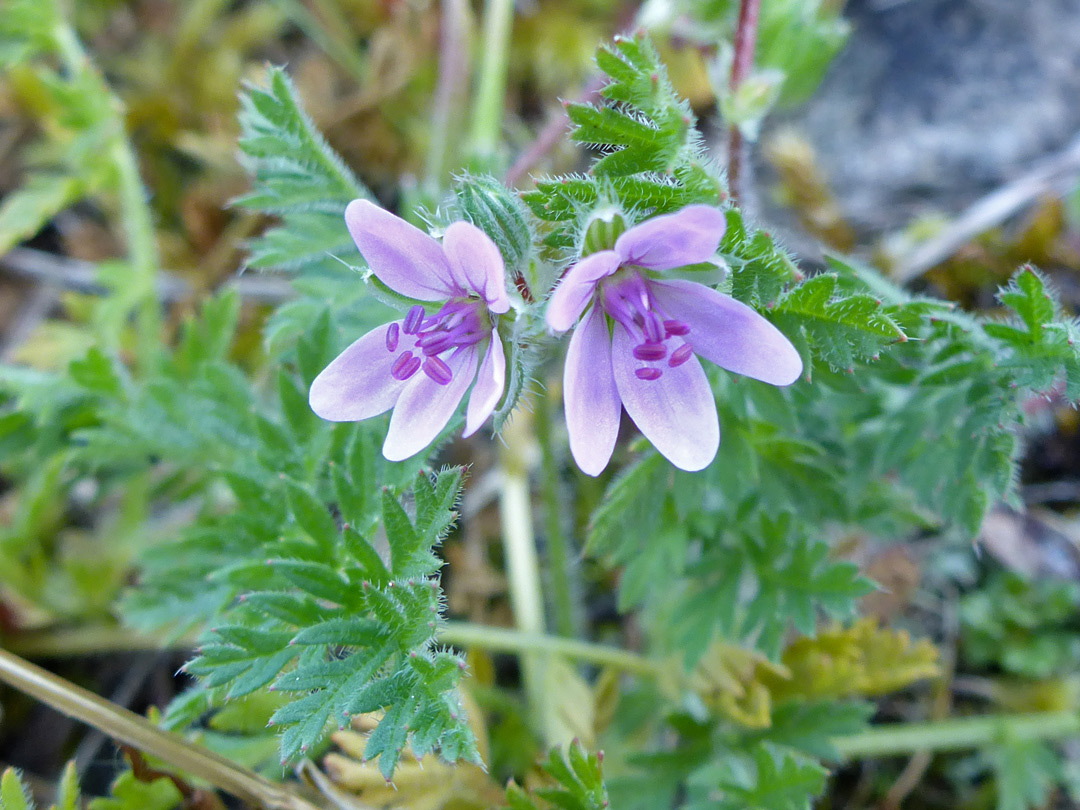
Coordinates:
<point>957,734</point>
<point>557,544</point>
<point>141,248</point>
<point>491,89</point>
<point>499,639</point>
<point>522,567</point>
<point>135,212</point>
<point>138,732</point>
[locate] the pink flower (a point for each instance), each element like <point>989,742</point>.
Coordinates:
<point>636,345</point>
<point>421,365</point>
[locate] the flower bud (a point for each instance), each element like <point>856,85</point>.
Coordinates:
<point>603,228</point>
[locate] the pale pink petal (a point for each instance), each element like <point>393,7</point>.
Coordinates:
<point>357,383</point>
<point>401,256</point>
<point>576,288</point>
<point>490,384</point>
<point>676,413</point>
<point>729,333</point>
<point>688,236</point>
<point>425,407</point>
<point>590,398</point>
<point>476,261</point>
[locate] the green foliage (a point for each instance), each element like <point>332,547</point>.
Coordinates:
<point>769,778</point>
<point>579,783</point>
<point>76,158</point>
<point>13,794</point>
<point>126,793</point>
<point>1039,345</point>
<point>1023,627</point>
<point>839,327</point>
<point>653,160</point>
<point>297,177</point>
<point>130,793</point>
<point>756,583</point>
<point>307,578</point>
<point>343,632</point>
<point>1025,772</point>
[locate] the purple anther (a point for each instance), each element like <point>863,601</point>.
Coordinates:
<point>393,331</point>
<point>413,320</point>
<point>676,328</point>
<point>650,351</point>
<point>405,366</point>
<point>437,370</point>
<point>681,355</point>
<point>647,373</point>
<point>653,327</point>
<point>436,344</point>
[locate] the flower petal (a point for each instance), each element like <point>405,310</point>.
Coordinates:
<point>689,236</point>
<point>357,383</point>
<point>401,256</point>
<point>475,260</point>
<point>425,407</point>
<point>676,412</point>
<point>590,398</point>
<point>576,288</point>
<point>729,333</point>
<point>490,384</point>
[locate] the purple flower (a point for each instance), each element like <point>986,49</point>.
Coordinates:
<point>637,343</point>
<point>421,365</point>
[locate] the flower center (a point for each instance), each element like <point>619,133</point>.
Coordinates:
<point>462,322</point>
<point>626,297</point>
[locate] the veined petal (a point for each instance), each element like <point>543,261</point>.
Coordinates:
<point>490,384</point>
<point>475,260</point>
<point>689,236</point>
<point>676,412</point>
<point>425,407</point>
<point>576,288</point>
<point>357,383</point>
<point>729,333</point>
<point>590,398</point>
<point>401,256</point>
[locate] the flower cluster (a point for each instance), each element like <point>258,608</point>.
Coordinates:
<point>638,336</point>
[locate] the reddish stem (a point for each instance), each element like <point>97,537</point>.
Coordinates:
<point>741,66</point>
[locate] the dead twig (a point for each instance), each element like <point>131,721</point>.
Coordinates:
<point>1054,176</point>
<point>80,276</point>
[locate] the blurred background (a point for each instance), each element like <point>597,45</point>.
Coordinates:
<point>936,139</point>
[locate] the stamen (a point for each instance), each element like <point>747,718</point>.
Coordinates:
<point>680,355</point>
<point>413,320</point>
<point>653,327</point>
<point>676,328</point>
<point>405,366</point>
<point>647,373</point>
<point>435,343</point>
<point>437,370</point>
<point>650,351</point>
<point>392,334</point>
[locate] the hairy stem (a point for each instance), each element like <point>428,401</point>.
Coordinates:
<point>138,732</point>
<point>958,734</point>
<point>491,88</point>
<point>558,557</point>
<point>741,66</point>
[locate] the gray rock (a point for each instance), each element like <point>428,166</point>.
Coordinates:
<point>936,102</point>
